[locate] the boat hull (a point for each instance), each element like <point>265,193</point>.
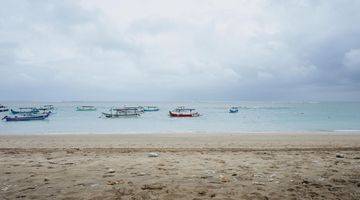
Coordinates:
<point>26,118</point>
<point>109,115</point>
<point>151,110</point>
<point>174,114</point>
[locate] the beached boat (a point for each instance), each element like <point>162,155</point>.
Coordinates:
<point>123,112</point>
<point>233,110</point>
<point>25,110</point>
<point>150,108</point>
<point>183,112</point>
<point>85,108</point>
<point>3,108</point>
<point>28,117</point>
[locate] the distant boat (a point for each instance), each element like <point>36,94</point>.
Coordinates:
<point>46,108</point>
<point>25,110</point>
<point>3,108</point>
<point>233,110</point>
<point>150,108</point>
<point>183,112</point>
<point>29,117</point>
<point>123,112</point>
<point>85,108</point>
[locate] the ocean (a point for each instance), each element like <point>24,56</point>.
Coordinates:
<point>215,118</point>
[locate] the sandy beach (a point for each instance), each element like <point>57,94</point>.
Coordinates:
<point>188,166</point>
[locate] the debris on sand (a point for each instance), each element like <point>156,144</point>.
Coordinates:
<point>338,155</point>
<point>153,155</point>
<point>153,186</point>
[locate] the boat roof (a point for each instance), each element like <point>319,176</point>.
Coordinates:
<point>126,108</point>
<point>184,109</point>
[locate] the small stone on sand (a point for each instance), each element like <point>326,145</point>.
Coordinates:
<point>153,155</point>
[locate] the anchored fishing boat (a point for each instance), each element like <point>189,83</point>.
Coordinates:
<point>3,108</point>
<point>233,110</point>
<point>25,110</point>
<point>28,117</point>
<point>150,108</point>
<point>85,108</point>
<point>123,112</point>
<point>183,112</point>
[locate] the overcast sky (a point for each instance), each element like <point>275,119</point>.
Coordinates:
<point>180,50</point>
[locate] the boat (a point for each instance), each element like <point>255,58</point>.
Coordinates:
<point>27,117</point>
<point>233,110</point>
<point>3,108</point>
<point>85,108</point>
<point>25,110</point>
<point>183,112</point>
<point>46,108</point>
<point>150,108</point>
<point>123,112</point>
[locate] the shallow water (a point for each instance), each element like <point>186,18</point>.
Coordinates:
<point>252,117</point>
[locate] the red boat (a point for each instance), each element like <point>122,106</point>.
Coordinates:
<point>183,112</point>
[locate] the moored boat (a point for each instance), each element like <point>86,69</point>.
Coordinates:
<point>3,108</point>
<point>46,108</point>
<point>25,110</point>
<point>233,110</point>
<point>123,112</point>
<point>85,108</point>
<point>150,108</point>
<point>28,117</point>
<point>183,112</point>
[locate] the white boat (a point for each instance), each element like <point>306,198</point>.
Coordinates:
<point>123,112</point>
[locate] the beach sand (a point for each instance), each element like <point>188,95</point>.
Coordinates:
<point>189,166</point>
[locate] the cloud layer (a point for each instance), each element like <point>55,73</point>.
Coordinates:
<point>180,50</point>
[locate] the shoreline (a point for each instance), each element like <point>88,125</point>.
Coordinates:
<point>246,141</point>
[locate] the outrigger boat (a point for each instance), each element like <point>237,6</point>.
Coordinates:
<point>28,117</point>
<point>183,112</point>
<point>3,108</point>
<point>150,108</point>
<point>123,112</point>
<point>29,110</point>
<point>85,108</point>
<point>233,110</point>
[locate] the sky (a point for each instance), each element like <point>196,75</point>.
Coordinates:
<point>169,50</point>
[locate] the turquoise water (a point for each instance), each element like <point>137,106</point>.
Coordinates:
<point>252,117</point>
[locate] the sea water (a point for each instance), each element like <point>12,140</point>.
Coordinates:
<point>215,118</point>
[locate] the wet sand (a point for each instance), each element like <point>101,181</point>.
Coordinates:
<point>189,166</point>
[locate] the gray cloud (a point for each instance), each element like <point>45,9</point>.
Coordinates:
<point>203,50</point>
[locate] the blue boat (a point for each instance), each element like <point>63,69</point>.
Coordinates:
<point>150,108</point>
<point>27,117</point>
<point>233,110</point>
<point>25,111</point>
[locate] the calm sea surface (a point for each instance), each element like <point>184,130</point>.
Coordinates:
<point>252,117</point>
